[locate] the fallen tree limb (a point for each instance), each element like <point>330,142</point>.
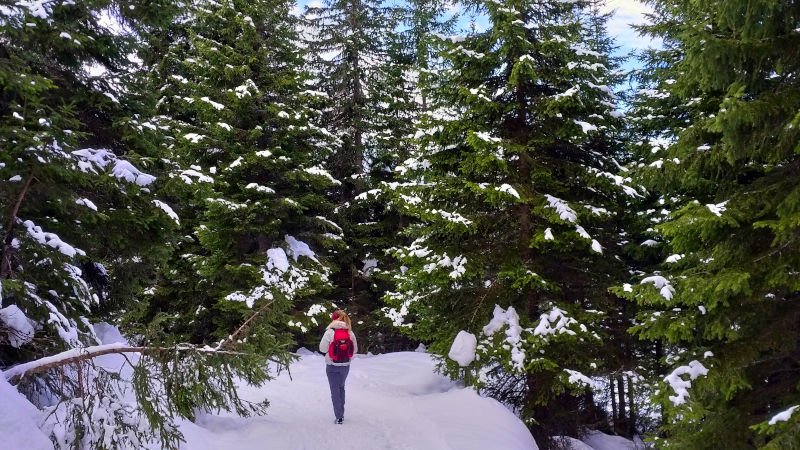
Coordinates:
<point>15,374</point>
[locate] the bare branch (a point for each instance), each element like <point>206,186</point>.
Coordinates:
<point>244,325</point>
<point>5,262</point>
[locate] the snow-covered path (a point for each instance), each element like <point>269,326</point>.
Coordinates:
<point>394,401</point>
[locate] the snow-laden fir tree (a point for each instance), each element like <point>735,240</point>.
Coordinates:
<point>69,190</point>
<point>654,119</point>
<point>247,161</point>
<point>423,22</point>
<point>360,62</point>
<point>515,191</point>
<point>722,301</point>
<point>81,229</point>
<point>627,360</point>
<point>398,98</point>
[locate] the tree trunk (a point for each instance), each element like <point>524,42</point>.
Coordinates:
<point>613,403</point>
<point>5,258</point>
<point>631,409</point>
<point>622,419</point>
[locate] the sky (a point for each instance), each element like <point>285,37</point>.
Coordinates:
<point>626,12</point>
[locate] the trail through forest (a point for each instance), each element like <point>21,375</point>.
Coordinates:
<point>394,401</point>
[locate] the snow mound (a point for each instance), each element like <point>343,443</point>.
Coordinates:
<point>597,440</point>
<point>18,421</point>
<point>570,443</point>
<point>394,401</point>
<point>16,325</point>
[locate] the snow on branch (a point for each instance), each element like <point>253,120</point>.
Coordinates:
<point>462,350</point>
<point>562,208</point>
<point>121,169</point>
<point>662,284</point>
<point>578,379</point>
<point>783,416</point>
<point>508,318</point>
<point>717,209</point>
<point>555,322</point>
<point>243,327</point>
<point>76,355</point>
<point>167,210</point>
<point>681,387</point>
<point>16,326</point>
<point>320,172</point>
<point>51,240</point>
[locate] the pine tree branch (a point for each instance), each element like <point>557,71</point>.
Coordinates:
<point>244,326</point>
<point>775,251</point>
<point>21,371</point>
<point>77,355</point>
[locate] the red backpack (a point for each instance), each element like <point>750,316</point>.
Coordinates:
<point>341,348</point>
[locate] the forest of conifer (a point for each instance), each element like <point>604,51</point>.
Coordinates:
<point>619,232</point>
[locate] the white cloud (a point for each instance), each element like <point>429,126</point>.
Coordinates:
<point>627,13</point>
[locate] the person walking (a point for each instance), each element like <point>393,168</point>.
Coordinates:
<point>339,345</point>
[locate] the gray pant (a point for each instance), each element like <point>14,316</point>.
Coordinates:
<point>336,377</point>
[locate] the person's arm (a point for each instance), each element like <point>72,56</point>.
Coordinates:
<point>355,343</point>
<point>325,343</point>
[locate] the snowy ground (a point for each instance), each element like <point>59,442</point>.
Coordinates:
<point>394,401</point>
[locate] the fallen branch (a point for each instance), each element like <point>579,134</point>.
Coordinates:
<point>76,355</point>
<point>15,374</point>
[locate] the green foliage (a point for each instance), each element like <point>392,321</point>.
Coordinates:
<point>479,182</point>
<point>80,230</point>
<point>512,185</point>
<point>721,106</point>
<point>367,67</point>
<point>246,155</point>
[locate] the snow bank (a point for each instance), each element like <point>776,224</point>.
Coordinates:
<point>597,440</point>
<point>18,328</point>
<point>18,421</point>
<point>570,443</point>
<point>394,401</point>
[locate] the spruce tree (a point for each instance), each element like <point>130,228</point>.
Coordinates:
<point>424,22</point>
<point>81,227</point>
<point>722,299</point>
<point>247,157</point>
<point>363,66</point>
<point>516,195</point>
<point>79,219</point>
<point>627,361</point>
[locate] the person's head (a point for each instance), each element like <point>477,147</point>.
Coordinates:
<point>341,315</point>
